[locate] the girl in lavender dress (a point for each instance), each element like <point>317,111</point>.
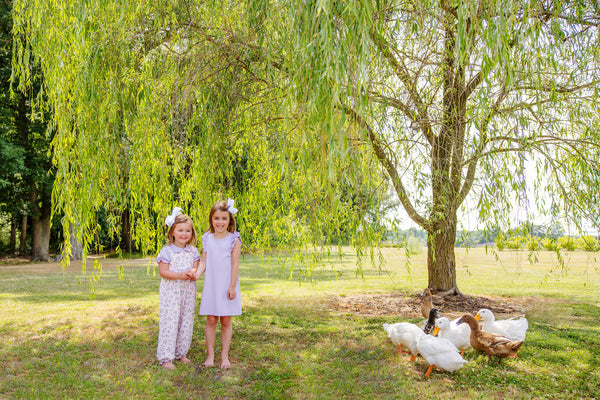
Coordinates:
<point>178,265</point>
<point>221,251</point>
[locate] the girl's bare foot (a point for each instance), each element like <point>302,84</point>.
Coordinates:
<point>185,360</point>
<point>210,362</point>
<point>225,363</point>
<point>168,365</point>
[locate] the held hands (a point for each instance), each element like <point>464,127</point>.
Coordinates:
<point>189,275</point>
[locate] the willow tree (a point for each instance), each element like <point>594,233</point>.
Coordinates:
<point>448,99</point>
<point>172,103</point>
<point>455,98</point>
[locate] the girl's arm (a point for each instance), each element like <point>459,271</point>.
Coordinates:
<point>201,267</point>
<point>235,268</point>
<point>163,270</point>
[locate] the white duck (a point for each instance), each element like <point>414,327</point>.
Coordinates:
<point>439,352</point>
<point>459,335</point>
<point>514,328</point>
<point>404,333</point>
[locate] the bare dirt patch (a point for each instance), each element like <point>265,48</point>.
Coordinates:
<point>408,305</point>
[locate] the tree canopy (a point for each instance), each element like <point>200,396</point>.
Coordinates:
<point>162,104</point>
<point>303,110</point>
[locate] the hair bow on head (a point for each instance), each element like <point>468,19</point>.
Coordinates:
<point>170,220</point>
<point>230,206</point>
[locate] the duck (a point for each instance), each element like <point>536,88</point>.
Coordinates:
<point>429,324</point>
<point>492,344</point>
<point>427,303</point>
<point>404,334</point>
<point>513,328</point>
<point>459,335</point>
<point>441,353</point>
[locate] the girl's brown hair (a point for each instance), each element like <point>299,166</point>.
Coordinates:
<point>221,206</point>
<point>182,218</point>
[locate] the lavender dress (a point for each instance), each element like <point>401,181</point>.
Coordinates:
<point>177,301</point>
<point>218,276</point>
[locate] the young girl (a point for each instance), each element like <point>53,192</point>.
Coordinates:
<point>178,265</point>
<point>221,251</point>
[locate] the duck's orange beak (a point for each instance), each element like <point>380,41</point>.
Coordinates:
<point>436,330</point>
<point>478,317</point>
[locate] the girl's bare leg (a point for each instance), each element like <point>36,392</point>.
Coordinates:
<point>210,333</point>
<point>226,334</point>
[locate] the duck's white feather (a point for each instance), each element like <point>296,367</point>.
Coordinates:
<point>459,335</point>
<point>514,328</point>
<point>405,334</point>
<point>440,352</point>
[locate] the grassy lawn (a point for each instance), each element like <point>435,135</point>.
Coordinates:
<point>57,343</point>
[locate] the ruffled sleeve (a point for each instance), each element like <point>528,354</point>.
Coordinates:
<point>205,241</point>
<point>234,237</point>
<point>196,254</point>
<point>164,255</point>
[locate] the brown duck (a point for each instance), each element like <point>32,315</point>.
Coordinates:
<point>427,304</point>
<point>490,343</point>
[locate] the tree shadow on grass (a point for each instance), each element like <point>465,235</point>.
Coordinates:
<point>140,278</point>
<point>281,350</point>
<point>51,287</point>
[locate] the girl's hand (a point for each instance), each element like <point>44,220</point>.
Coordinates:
<point>231,293</point>
<point>191,275</point>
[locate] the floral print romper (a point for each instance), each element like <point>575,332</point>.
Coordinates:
<point>177,301</point>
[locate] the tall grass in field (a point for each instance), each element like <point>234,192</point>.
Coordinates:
<point>57,343</point>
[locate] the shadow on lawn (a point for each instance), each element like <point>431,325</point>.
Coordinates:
<point>41,287</point>
<point>279,350</point>
<point>141,278</point>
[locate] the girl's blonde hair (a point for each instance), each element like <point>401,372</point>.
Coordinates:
<point>182,218</point>
<point>221,206</point>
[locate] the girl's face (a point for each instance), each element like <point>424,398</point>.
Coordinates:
<point>220,221</point>
<point>182,234</point>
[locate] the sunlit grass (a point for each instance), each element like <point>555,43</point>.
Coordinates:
<point>57,343</point>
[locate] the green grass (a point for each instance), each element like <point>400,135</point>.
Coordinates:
<point>57,343</point>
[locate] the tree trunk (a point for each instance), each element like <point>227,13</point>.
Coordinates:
<point>13,234</point>
<point>441,264</point>
<point>76,245</point>
<point>127,243</point>
<point>41,233</point>
<point>23,244</point>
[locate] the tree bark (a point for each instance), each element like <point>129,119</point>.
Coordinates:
<point>41,233</point>
<point>76,245</point>
<point>23,242</point>
<point>13,233</point>
<point>441,266</point>
<point>127,242</point>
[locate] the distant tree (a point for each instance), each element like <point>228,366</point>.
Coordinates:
<point>549,244</point>
<point>500,241</point>
<point>533,243</point>
<point>25,174</point>
<point>567,243</point>
<point>588,243</point>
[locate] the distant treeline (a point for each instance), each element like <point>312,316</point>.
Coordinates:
<point>530,237</point>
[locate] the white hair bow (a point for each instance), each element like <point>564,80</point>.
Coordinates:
<point>170,220</point>
<point>230,206</point>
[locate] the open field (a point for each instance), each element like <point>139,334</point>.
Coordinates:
<point>290,342</point>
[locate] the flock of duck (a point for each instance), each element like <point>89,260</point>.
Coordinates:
<point>442,342</point>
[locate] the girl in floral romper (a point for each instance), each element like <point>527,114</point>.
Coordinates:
<point>178,265</point>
